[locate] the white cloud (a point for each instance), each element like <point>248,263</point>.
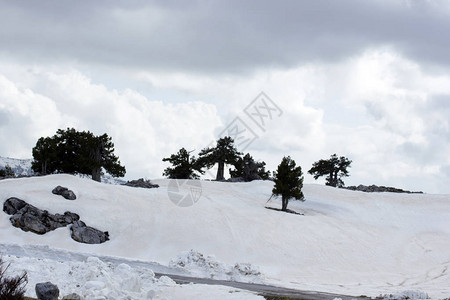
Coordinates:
<point>144,131</point>
<point>383,111</point>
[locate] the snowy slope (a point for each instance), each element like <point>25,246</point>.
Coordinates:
<point>19,166</point>
<point>346,242</point>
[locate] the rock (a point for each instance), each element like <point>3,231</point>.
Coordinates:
<point>13,205</point>
<point>236,179</point>
<point>378,189</point>
<point>30,218</point>
<point>47,291</point>
<point>65,192</point>
<point>141,183</point>
<point>88,235</point>
<point>72,296</point>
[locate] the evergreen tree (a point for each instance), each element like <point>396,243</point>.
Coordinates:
<point>44,154</point>
<point>223,153</point>
<point>72,151</point>
<point>7,172</point>
<point>248,169</point>
<point>288,182</point>
<point>184,165</point>
<point>334,168</point>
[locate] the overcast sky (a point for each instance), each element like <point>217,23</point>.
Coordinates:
<point>369,80</point>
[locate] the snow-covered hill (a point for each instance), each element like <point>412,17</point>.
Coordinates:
<point>346,242</point>
<point>21,167</point>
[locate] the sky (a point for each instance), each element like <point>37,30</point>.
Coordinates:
<point>369,80</point>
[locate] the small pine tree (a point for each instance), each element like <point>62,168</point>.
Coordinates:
<point>334,168</point>
<point>223,153</point>
<point>184,165</point>
<point>288,180</point>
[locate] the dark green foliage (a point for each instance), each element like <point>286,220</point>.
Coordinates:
<point>248,169</point>
<point>288,182</point>
<point>334,168</point>
<point>11,288</point>
<point>184,165</point>
<point>7,172</point>
<point>72,151</point>
<point>45,155</point>
<point>223,153</point>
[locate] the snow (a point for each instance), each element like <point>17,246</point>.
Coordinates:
<point>96,279</point>
<point>20,167</point>
<point>346,242</point>
<point>203,266</point>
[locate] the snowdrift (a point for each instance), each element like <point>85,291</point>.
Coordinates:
<point>346,242</point>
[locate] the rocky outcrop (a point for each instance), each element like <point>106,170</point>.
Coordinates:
<point>30,218</point>
<point>47,291</point>
<point>65,192</point>
<point>141,183</point>
<point>378,189</point>
<point>88,235</point>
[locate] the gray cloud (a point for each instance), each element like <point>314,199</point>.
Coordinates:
<point>225,36</point>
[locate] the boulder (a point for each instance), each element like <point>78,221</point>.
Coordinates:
<point>141,183</point>
<point>13,205</point>
<point>88,235</point>
<point>47,291</point>
<point>72,296</point>
<point>65,192</point>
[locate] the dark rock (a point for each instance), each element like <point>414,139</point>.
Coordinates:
<point>378,189</point>
<point>88,235</point>
<point>13,205</point>
<point>30,218</point>
<point>236,179</point>
<point>141,183</point>
<point>72,296</point>
<point>47,291</point>
<point>65,192</point>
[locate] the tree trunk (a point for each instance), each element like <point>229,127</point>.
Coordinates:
<point>220,171</point>
<point>96,172</point>
<point>44,167</point>
<point>284,203</point>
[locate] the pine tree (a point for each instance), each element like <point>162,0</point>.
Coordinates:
<point>184,165</point>
<point>248,169</point>
<point>223,153</point>
<point>44,154</point>
<point>334,168</point>
<point>71,151</point>
<point>288,182</point>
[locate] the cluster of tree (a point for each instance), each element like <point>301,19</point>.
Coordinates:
<point>288,178</point>
<point>72,151</point>
<point>76,152</point>
<point>7,172</point>
<point>187,166</point>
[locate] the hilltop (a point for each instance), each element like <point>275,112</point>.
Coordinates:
<point>345,242</point>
